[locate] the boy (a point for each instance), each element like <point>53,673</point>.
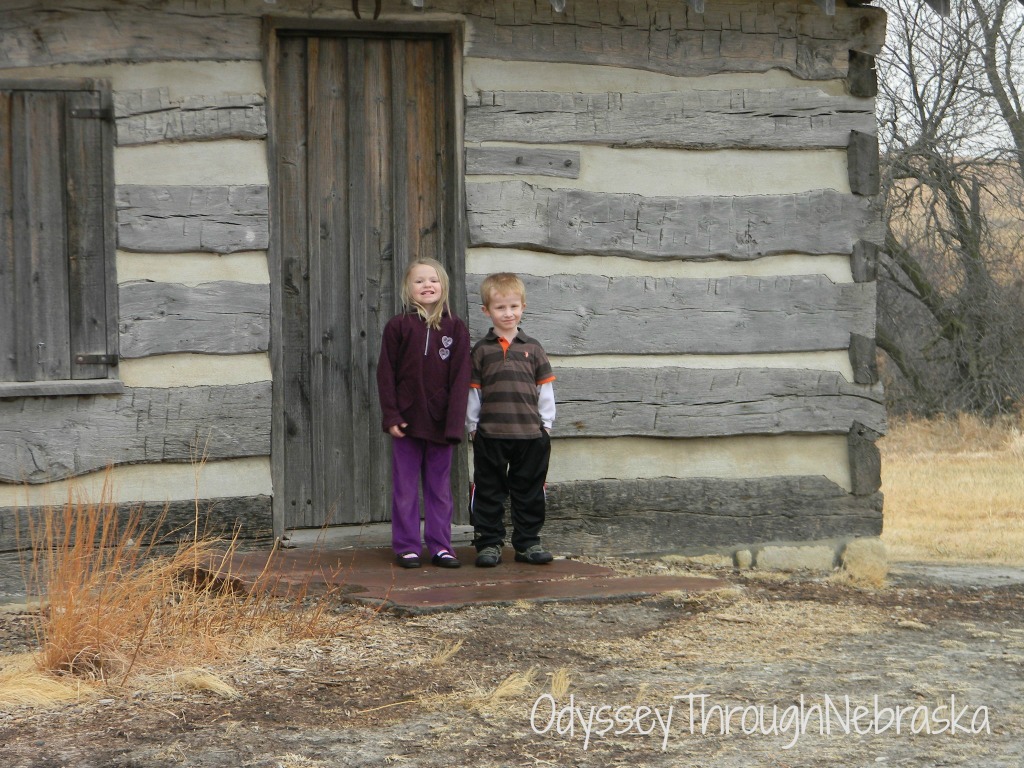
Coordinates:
<point>509,418</point>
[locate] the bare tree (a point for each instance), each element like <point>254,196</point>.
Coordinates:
<point>951,315</point>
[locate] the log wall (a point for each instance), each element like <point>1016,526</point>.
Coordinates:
<point>547,95</point>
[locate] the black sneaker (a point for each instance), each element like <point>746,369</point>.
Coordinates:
<point>535,555</point>
<point>488,557</point>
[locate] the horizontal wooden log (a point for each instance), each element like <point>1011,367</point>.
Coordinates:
<point>687,402</point>
<point>694,515</point>
<point>569,221</point>
<point>668,37</point>
<point>656,35</point>
<point>150,115</point>
<point>747,119</point>
<point>36,34</point>
<point>174,219</point>
<point>48,439</point>
<point>588,314</point>
<point>522,161</point>
<point>212,318</point>
<point>243,518</point>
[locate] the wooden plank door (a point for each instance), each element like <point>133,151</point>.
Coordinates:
<point>365,181</point>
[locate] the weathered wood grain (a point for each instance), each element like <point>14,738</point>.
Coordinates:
<point>571,221</point>
<point>688,402</point>
<point>563,163</point>
<point>589,314</point>
<point>862,154</point>
<point>213,318</point>
<point>862,79</point>
<point>865,460</point>
<point>47,439</point>
<point>150,115</point>
<point>864,261</point>
<point>44,33</point>
<point>863,359</point>
<point>292,457</point>
<point>40,227</point>
<point>92,288</point>
<point>60,388</point>
<point>10,343</point>
<point>656,35</point>
<point>668,37</point>
<point>697,119</point>
<point>173,219</point>
<point>691,515</point>
<point>239,517</point>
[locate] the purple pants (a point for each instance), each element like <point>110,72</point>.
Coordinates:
<point>413,460</point>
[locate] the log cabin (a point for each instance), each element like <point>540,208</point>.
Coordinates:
<point>206,206</point>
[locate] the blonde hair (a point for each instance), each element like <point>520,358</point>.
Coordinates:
<point>431,316</point>
<point>501,283</point>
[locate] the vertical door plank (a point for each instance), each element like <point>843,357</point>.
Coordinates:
<point>87,271</point>
<point>8,314</point>
<point>42,265</point>
<point>330,343</point>
<point>372,248</point>
<point>361,192</point>
<point>421,151</point>
<point>401,107</point>
<point>292,416</point>
<point>450,208</point>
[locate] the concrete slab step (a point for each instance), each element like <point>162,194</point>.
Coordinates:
<point>371,576</point>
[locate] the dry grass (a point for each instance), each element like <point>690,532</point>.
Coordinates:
<point>954,490</point>
<point>21,684</point>
<point>560,681</point>
<point>446,653</point>
<point>115,613</point>
<point>514,686</point>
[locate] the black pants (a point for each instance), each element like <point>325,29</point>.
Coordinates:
<point>504,469</point>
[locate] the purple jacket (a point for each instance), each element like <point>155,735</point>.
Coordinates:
<point>423,377</point>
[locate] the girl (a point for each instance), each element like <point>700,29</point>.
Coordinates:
<point>423,384</point>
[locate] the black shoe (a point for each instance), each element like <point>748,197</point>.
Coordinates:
<point>488,557</point>
<point>445,559</point>
<point>409,560</point>
<point>536,555</point>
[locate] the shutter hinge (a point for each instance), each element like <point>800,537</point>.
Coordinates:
<point>96,359</point>
<point>94,113</point>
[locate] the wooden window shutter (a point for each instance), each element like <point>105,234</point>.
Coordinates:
<point>58,299</point>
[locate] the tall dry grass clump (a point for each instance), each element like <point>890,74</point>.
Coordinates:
<point>117,607</point>
<point>954,489</point>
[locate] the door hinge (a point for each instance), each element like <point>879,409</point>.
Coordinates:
<point>96,359</point>
<point>94,113</point>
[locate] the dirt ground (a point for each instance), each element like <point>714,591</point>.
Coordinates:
<point>594,684</point>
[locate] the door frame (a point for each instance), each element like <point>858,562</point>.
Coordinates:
<point>455,202</point>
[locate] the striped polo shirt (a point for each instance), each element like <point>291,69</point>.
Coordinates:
<point>507,375</point>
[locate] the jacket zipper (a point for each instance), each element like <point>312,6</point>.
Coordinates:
<point>426,344</point>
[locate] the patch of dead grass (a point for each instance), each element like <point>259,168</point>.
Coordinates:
<point>115,614</point>
<point>954,490</point>
<point>514,686</point>
<point>21,684</point>
<point>745,630</point>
